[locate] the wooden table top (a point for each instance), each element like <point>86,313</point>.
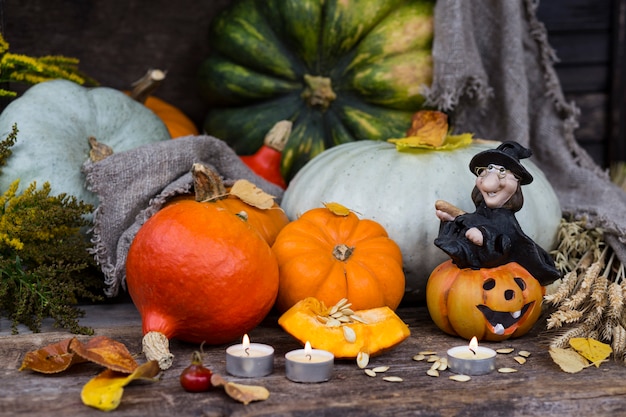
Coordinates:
<point>539,388</point>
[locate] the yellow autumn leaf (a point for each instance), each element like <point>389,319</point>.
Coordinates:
<point>105,391</point>
<point>416,142</point>
<point>252,195</point>
<point>337,209</point>
<point>568,360</point>
<point>593,350</point>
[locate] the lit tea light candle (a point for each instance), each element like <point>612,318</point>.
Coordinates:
<point>471,359</point>
<point>309,365</point>
<point>249,359</point>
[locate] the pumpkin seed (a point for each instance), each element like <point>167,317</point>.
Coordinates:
<point>427,352</point>
<point>381,369</point>
<point>460,378</point>
<point>349,334</point>
<point>358,318</point>
<point>524,353</point>
<point>392,379</point>
<point>520,359</point>
<point>435,365</point>
<point>443,366</point>
<point>432,372</point>
<point>505,350</point>
<point>419,357</point>
<point>333,323</point>
<point>347,311</point>
<point>432,358</point>
<point>369,372</point>
<point>506,370</point>
<point>362,359</point>
<point>344,319</point>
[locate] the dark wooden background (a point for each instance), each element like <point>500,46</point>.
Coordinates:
<point>118,40</point>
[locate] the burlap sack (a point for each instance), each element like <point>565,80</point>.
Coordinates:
<point>133,185</point>
<point>494,76</point>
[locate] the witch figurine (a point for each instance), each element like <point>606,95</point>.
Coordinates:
<point>491,236</point>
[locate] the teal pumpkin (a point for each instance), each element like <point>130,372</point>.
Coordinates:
<point>55,120</point>
<point>399,190</point>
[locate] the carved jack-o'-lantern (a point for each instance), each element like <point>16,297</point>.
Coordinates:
<point>490,303</point>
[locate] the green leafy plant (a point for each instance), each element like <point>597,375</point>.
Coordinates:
<point>33,70</point>
<point>44,260</point>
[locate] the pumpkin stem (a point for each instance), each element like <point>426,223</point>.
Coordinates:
<point>342,252</point>
<point>318,91</point>
<point>156,347</point>
<point>278,135</point>
<point>207,184</point>
<point>97,150</point>
<point>143,87</point>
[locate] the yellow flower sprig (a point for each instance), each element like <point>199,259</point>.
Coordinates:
<point>30,70</point>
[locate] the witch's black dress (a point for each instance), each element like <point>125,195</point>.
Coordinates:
<point>503,242</point>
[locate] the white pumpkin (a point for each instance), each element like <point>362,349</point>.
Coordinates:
<point>399,190</point>
<point>55,120</point>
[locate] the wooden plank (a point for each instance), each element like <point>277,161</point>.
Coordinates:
<point>617,125</point>
<point>118,41</point>
<point>539,388</point>
<point>583,78</point>
<point>582,48</point>
<point>575,15</point>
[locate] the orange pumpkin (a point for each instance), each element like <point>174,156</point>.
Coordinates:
<point>177,122</point>
<point>209,187</point>
<point>332,256</point>
<point>380,330</point>
<point>199,271</point>
<point>492,304</point>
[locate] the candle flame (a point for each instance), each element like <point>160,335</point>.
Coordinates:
<point>308,352</point>
<point>473,345</point>
<point>245,343</point>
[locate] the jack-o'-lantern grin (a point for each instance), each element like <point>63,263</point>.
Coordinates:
<point>504,322</point>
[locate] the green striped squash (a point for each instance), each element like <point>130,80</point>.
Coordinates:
<point>340,70</point>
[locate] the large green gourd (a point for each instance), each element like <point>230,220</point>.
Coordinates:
<point>340,70</point>
<point>55,120</point>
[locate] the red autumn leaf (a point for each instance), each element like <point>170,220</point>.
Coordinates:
<point>59,356</point>
<point>106,352</point>
<point>51,359</point>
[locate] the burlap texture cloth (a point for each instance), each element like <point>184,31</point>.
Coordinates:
<point>493,75</point>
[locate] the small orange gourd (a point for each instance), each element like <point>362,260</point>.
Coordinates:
<point>333,254</point>
<point>266,161</point>
<point>198,271</point>
<point>380,330</point>
<point>493,304</point>
<point>208,186</point>
<point>178,123</point>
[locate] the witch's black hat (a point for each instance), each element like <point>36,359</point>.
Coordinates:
<point>507,155</point>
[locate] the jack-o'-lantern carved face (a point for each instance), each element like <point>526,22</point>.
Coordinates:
<point>490,303</point>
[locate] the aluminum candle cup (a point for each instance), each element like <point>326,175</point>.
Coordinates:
<point>249,360</point>
<point>471,361</point>
<point>309,365</point>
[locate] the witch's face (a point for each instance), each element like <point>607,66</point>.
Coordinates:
<point>496,184</point>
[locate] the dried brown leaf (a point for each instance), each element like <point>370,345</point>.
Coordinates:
<point>568,360</point>
<point>252,195</point>
<point>243,393</point>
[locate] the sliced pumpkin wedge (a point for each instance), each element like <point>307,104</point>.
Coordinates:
<point>378,329</point>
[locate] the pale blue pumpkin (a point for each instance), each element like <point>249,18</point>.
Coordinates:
<point>399,190</point>
<point>55,120</point>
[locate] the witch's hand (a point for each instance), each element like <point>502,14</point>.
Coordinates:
<point>475,236</point>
